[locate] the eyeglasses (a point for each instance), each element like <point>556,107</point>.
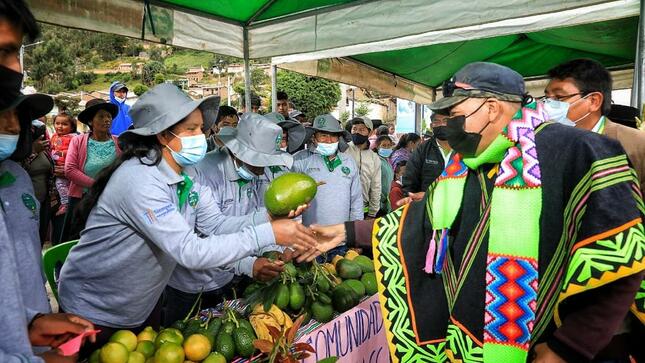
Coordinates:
<point>560,98</point>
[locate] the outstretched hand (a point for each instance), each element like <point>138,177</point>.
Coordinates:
<point>293,234</point>
<point>55,329</point>
<point>329,237</point>
<point>292,214</point>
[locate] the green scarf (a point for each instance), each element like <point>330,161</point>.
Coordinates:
<point>512,257</point>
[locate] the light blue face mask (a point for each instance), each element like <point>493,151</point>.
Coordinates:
<point>558,110</point>
<point>193,150</point>
<point>243,172</point>
<point>385,153</point>
<point>8,144</point>
<point>327,149</point>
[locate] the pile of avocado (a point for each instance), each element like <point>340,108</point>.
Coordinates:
<point>317,290</point>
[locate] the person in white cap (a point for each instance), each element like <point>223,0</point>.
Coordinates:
<point>340,198</point>
<point>145,216</point>
<point>369,164</point>
<point>237,179</point>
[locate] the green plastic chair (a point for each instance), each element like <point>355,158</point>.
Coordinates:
<point>53,260</point>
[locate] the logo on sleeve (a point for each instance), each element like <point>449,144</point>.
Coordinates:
<point>193,199</point>
<point>345,170</point>
<point>30,203</point>
<point>152,216</point>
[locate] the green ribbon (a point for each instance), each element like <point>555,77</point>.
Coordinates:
<point>7,179</point>
<point>183,189</point>
<point>332,164</point>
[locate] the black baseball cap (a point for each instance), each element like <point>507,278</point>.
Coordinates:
<point>481,80</point>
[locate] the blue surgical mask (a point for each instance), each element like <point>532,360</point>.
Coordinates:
<point>558,110</point>
<point>8,144</point>
<point>326,149</point>
<point>193,150</point>
<point>243,172</point>
<point>385,153</point>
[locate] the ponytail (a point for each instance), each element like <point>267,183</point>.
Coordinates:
<point>134,146</point>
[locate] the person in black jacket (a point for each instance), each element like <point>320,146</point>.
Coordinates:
<point>428,160</point>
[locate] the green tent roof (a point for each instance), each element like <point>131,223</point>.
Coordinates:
<point>613,43</point>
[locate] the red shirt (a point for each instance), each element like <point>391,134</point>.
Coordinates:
<point>59,145</point>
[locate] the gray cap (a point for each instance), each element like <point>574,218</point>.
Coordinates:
<point>163,106</point>
<point>481,80</point>
<point>363,119</point>
<point>295,113</point>
<point>328,123</point>
<point>256,141</point>
<point>296,132</point>
<point>119,86</point>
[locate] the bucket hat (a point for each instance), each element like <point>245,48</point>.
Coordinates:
<point>364,120</point>
<point>328,123</point>
<point>256,141</point>
<point>93,106</point>
<point>295,130</point>
<point>163,106</point>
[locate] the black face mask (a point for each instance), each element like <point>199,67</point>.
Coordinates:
<point>463,142</point>
<point>440,132</point>
<point>359,139</point>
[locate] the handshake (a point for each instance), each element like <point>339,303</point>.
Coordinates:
<point>307,242</point>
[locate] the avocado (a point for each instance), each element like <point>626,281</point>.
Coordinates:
<point>282,297</point>
<point>324,298</point>
<point>323,284</point>
<point>225,345</point>
<point>348,269</point>
<point>250,289</point>
<point>296,296</point>
<point>366,264</point>
<point>245,324</point>
<point>192,327</point>
<point>322,312</point>
<point>369,280</point>
<point>213,329</point>
<point>290,269</point>
<point>288,191</point>
<point>243,342</point>
<point>344,298</point>
<point>355,285</point>
<point>228,327</point>
<point>272,255</point>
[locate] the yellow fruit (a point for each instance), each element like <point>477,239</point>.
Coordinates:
<point>136,357</point>
<point>351,254</point>
<point>114,352</point>
<point>330,268</point>
<point>147,334</point>
<point>125,337</point>
<point>170,353</point>
<point>197,347</point>
<point>146,347</point>
<point>95,357</point>
<point>215,357</point>
<point>261,320</point>
<point>335,260</point>
<point>170,335</point>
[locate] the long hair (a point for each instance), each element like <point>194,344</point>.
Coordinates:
<point>134,146</point>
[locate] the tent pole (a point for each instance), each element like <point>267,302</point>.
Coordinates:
<point>274,88</point>
<point>638,88</point>
<point>247,72</point>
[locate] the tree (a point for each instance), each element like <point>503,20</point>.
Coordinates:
<point>150,69</point>
<point>52,66</point>
<point>69,104</point>
<point>313,96</point>
<point>139,89</point>
<point>362,110</point>
<point>160,78</point>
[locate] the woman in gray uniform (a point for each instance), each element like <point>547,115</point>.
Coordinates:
<point>147,216</point>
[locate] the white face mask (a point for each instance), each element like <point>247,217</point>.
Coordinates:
<point>558,110</point>
<point>327,149</point>
<point>119,99</point>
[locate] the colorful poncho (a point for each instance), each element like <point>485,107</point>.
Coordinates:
<point>478,272</point>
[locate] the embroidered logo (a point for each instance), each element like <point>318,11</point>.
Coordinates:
<point>193,199</point>
<point>320,122</point>
<point>30,203</point>
<point>151,216</point>
<point>345,170</point>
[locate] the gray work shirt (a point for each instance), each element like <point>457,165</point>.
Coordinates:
<point>14,340</point>
<point>21,212</point>
<point>134,238</point>
<point>241,202</point>
<point>340,199</point>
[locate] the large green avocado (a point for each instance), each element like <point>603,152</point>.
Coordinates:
<point>288,191</point>
<point>348,269</point>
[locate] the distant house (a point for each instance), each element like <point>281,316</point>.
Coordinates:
<point>181,83</point>
<point>125,67</point>
<point>194,75</point>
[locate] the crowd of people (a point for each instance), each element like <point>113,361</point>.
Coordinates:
<point>510,232</point>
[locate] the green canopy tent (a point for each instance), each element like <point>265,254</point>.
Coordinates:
<point>411,45</point>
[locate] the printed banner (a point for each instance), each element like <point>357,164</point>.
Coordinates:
<point>357,336</point>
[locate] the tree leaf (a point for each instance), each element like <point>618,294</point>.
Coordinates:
<point>291,333</point>
<point>302,347</point>
<point>275,333</point>
<point>263,345</point>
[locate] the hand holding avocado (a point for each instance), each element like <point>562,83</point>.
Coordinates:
<point>265,269</point>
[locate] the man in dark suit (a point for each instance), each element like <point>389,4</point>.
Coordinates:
<point>583,86</point>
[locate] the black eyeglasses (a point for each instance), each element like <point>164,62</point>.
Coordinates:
<point>561,98</point>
